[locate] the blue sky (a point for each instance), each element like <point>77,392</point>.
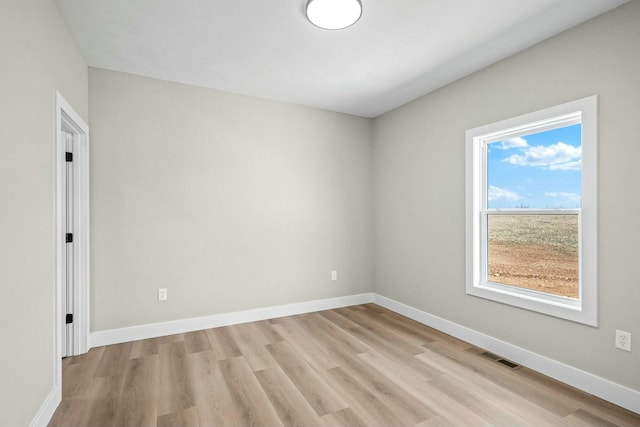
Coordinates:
<point>541,170</point>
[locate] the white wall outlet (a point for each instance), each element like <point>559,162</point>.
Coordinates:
<point>623,340</point>
<point>162,294</point>
<point>334,275</point>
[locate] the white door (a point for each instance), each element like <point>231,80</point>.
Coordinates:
<point>68,251</point>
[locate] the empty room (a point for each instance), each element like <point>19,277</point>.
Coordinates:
<point>319,213</point>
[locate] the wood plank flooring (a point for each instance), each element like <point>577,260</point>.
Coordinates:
<point>355,366</point>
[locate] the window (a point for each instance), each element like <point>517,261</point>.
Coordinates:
<point>531,211</point>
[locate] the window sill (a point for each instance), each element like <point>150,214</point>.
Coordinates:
<point>563,307</point>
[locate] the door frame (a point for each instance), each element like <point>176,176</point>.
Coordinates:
<point>68,119</point>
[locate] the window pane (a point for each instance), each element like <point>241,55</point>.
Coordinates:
<point>537,252</point>
<point>541,170</point>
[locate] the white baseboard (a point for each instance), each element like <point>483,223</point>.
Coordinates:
<point>152,330</point>
<point>618,394</point>
<point>48,408</point>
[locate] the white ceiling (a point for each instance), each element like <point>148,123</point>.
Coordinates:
<point>398,51</point>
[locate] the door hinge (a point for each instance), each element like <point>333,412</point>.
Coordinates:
<point>69,237</point>
<point>68,156</point>
<point>69,318</point>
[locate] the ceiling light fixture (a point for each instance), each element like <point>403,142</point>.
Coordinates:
<point>334,14</point>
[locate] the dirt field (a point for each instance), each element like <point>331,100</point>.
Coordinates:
<point>538,252</point>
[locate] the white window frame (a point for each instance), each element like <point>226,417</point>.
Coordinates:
<point>583,309</point>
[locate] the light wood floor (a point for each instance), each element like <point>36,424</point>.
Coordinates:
<point>356,366</point>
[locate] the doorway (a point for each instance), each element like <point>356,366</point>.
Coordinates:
<point>72,233</point>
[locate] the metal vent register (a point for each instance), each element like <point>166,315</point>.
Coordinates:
<point>501,360</point>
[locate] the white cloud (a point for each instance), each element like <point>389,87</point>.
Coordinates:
<point>496,193</point>
<point>559,156</point>
<point>569,166</point>
<point>572,197</point>
<point>518,142</point>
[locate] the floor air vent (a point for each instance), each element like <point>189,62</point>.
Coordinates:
<point>499,359</point>
<point>491,356</point>
<point>509,363</point>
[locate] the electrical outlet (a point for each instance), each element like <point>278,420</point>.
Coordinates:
<point>334,275</point>
<point>162,294</point>
<point>623,340</point>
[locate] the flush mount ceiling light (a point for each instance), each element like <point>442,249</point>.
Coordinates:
<point>333,14</point>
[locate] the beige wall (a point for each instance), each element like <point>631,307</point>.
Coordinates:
<point>228,201</point>
<point>419,189</point>
<point>37,57</point>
